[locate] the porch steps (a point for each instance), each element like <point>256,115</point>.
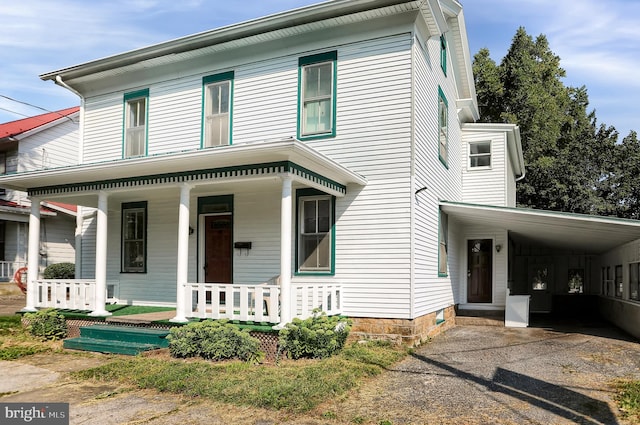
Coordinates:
<point>118,339</point>
<point>479,318</point>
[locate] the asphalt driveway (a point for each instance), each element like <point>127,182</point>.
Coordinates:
<point>557,374</point>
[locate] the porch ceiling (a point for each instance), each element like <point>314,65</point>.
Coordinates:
<point>578,232</point>
<point>197,167</point>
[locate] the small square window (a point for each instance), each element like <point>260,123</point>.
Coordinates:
<point>480,154</point>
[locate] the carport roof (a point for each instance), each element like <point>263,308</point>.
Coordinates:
<point>589,234</point>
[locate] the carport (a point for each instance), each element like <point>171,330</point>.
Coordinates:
<point>554,257</point>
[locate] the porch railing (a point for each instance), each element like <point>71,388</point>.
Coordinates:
<point>9,268</point>
<point>66,293</point>
<point>259,303</point>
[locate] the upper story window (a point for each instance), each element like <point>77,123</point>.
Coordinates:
<point>135,123</point>
<point>218,94</point>
<point>479,154</point>
<point>3,163</point>
<point>134,237</point>
<point>443,54</point>
<point>443,126</point>
<point>317,95</point>
<point>315,236</point>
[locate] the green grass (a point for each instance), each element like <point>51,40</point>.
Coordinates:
<point>628,399</point>
<point>294,386</point>
<point>15,341</point>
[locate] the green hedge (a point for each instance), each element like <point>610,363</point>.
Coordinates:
<point>60,271</point>
<point>214,340</point>
<point>318,336</point>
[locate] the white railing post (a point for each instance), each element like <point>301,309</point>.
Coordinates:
<point>182,274</point>
<point>285,252</point>
<point>101,257</point>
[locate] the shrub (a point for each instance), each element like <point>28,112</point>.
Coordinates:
<point>318,336</point>
<point>47,324</point>
<point>213,340</point>
<point>60,271</point>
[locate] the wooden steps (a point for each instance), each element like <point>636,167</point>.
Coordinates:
<point>118,339</point>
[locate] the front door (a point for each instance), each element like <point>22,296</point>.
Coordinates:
<point>218,248</point>
<point>479,270</point>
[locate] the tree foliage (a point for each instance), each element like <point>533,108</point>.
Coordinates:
<point>572,163</point>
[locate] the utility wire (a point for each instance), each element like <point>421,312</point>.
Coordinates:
<point>33,106</point>
<point>14,112</point>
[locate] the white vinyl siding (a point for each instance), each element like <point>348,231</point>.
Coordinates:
<point>433,292</point>
<point>486,185</point>
<point>50,148</point>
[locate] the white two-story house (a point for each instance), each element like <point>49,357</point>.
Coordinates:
<point>324,157</point>
<point>36,143</point>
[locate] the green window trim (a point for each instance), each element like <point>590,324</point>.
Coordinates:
<point>207,81</point>
<point>125,241</point>
<point>301,194</point>
<point>326,58</point>
<point>443,128</point>
<point>443,244</point>
<point>129,100</point>
<point>443,54</point>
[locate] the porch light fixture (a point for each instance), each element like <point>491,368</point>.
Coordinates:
<point>498,248</point>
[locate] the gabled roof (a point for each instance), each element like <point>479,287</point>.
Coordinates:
<point>19,127</point>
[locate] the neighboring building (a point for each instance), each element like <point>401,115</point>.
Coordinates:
<point>321,157</point>
<point>36,143</point>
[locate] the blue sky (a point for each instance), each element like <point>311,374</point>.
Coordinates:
<point>597,41</point>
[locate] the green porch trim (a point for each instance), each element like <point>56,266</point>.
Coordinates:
<point>252,170</point>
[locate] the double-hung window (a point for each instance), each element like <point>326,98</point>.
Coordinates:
<point>315,239</point>
<point>218,92</point>
<point>479,154</point>
<point>443,126</point>
<point>317,95</point>
<point>134,237</point>
<point>443,234</point>
<point>135,123</point>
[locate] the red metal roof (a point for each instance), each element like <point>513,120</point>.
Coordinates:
<point>14,128</point>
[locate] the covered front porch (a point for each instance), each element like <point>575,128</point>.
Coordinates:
<point>159,236</point>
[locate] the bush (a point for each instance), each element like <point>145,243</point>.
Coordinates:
<point>319,336</point>
<point>60,271</point>
<point>47,324</point>
<point>213,340</point>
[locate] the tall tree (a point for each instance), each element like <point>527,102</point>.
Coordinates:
<point>560,141</point>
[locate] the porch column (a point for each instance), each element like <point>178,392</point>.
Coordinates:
<point>285,253</point>
<point>33,254</point>
<point>101,257</point>
<point>183,254</point>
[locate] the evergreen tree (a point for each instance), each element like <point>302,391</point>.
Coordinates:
<point>565,153</point>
